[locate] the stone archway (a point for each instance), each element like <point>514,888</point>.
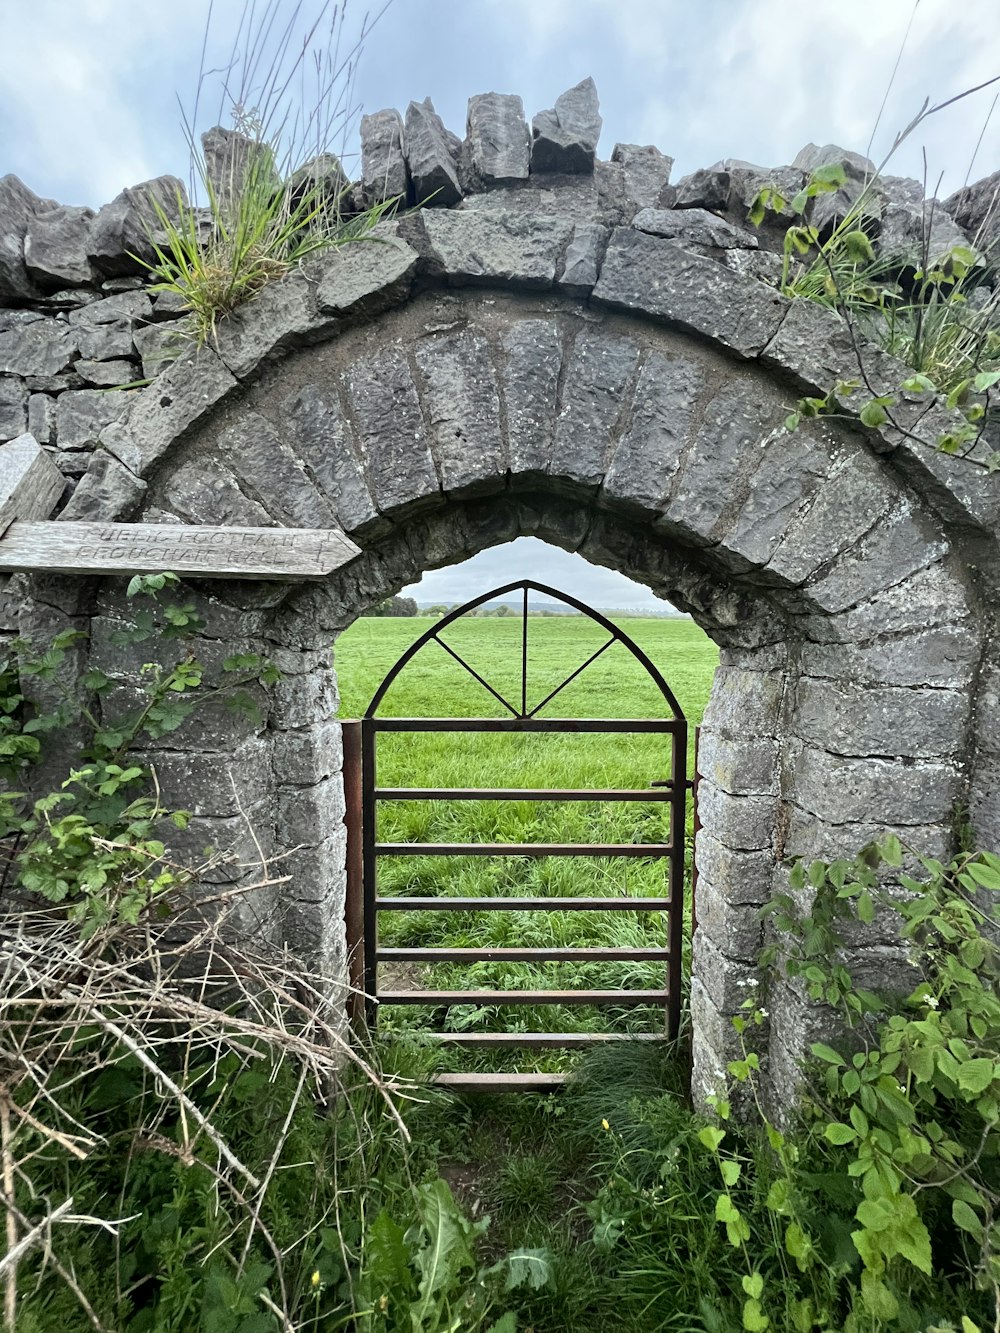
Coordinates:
<point>384,389</point>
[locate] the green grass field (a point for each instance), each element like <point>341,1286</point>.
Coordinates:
<point>434,685</point>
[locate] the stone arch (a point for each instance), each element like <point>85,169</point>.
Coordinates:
<point>444,388</point>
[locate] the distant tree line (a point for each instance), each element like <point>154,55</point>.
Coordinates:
<point>395,606</point>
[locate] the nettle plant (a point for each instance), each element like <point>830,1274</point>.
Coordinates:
<point>92,844</point>
<point>902,1207</point>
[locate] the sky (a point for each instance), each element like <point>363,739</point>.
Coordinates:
<point>93,93</point>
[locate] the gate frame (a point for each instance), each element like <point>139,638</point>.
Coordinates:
<point>362,795</point>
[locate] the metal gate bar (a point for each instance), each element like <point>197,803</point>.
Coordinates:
<point>363,800</point>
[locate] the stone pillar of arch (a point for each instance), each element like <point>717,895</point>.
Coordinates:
<point>440,389</point>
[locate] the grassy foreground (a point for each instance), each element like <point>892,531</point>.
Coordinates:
<point>615,685</point>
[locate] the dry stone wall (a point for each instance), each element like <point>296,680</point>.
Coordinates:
<point>570,348</point>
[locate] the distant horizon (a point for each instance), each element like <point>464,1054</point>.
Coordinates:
<point>531,558</point>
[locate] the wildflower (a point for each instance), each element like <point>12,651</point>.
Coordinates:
<point>383,1303</point>
<point>315,1278</point>
<point>762,1011</point>
<point>931,1001</point>
<point>605,1125</point>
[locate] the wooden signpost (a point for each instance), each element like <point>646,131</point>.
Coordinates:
<point>29,491</point>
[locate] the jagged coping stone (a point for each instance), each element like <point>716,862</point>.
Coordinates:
<point>498,248</point>
<point>384,171</point>
<point>565,138</point>
<point>497,137</point>
<point>55,247</point>
<point>976,209</point>
<point>18,205</point>
<point>228,155</point>
<point>122,229</point>
<point>430,157</point>
<point>694,226</point>
<point>364,278</point>
<point>646,174</point>
<point>660,279</point>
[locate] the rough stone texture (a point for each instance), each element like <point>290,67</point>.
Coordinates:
<point>108,492</point>
<point>203,491</point>
<point>36,348</point>
<point>596,379</point>
<point>842,790</point>
<point>228,156</point>
<point>498,249</point>
<point>645,175</point>
<point>694,227</point>
<point>267,470</point>
<point>123,227</point>
<point>976,208</point>
<point>430,157</point>
<point>529,386</point>
<point>81,415</point>
<point>316,428</point>
<point>363,279</point>
<point>707,188</point>
<point>383,165</point>
<point>584,254</point>
<point>565,138</point>
<point>394,443</point>
<point>497,139</point>
<point>827,210</point>
<point>55,247</point>
<point>18,205</point>
<point>655,277</point>
<point>846,718</point>
<point>14,408</point>
<point>462,411</point>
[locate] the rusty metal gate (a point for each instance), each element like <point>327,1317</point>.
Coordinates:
<point>365,904</point>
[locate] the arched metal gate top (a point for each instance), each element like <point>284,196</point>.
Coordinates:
<point>527,586</point>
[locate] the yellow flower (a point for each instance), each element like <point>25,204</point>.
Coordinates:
<point>315,1278</point>
<point>383,1303</point>
<point>605,1125</point>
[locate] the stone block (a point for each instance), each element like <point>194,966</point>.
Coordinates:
<point>497,139</point>
<point>301,701</point>
<point>851,719</point>
<point>564,139</point>
<point>733,426</point>
<point>789,474</point>
<point>946,657</point>
<point>105,493</point>
<point>739,766</point>
<point>694,227</point>
<point>306,756</point>
<point>596,389</point>
<point>210,783</point>
<point>14,409</point>
<point>127,306</point>
<point>282,315</point>
<point>266,468</point>
<point>645,175</point>
<point>740,877</point>
<point>394,445</point>
<point>430,157</point>
<point>903,543</point>
<point>180,397</point>
<point>735,929</point>
<point>106,374</point>
<point>489,248</point>
<point>203,490</point>
<point>55,247</point>
<point>745,703</point>
<point>984,800</point>
<point>843,790</point>
<point>647,457</point>
<point>42,347</point>
<point>933,597</point>
<point>125,227</point>
<point>727,982</point>
<point>584,254</point>
<point>82,414</point>
<point>317,430</point>
<point>18,205</point>
<point>529,390</point>
<point>364,278</point>
<point>308,815</point>
<point>975,209</point>
<point>316,874</point>
<point>745,823</point>
<point>384,171</point>
<point>462,410</point>
<point>707,188</point>
<point>158,345</point>
<point>855,494</point>
<point>660,279</point>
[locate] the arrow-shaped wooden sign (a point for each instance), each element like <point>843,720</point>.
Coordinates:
<point>31,484</point>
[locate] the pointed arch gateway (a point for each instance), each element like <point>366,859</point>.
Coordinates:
<point>526,717</point>
<point>451,388</point>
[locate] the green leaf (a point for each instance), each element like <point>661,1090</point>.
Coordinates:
<point>725,1209</point>
<point>985,380</point>
<point>711,1137</point>
<point>839,1134</point>
<point>505,1324</point>
<point>878,1300</point>
<point>528,1268</point>
<point>792,421</point>
<point>964,1217</point>
<point>975,1076</point>
<point>857,247</point>
<point>985,876</point>
<point>730,1172</point>
<point>918,384</point>
<point>753,1285</point>
<point>827,1053</point>
<point>831,174</point>
<point>754,1318</point>
<point>873,415</point>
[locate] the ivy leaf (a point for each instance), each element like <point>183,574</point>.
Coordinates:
<point>754,1318</point>
<point>711,1137</point>
<point>730,1173</point>
<point>873,414</point>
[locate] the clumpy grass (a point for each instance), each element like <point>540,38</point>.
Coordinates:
<point>279,193</point>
